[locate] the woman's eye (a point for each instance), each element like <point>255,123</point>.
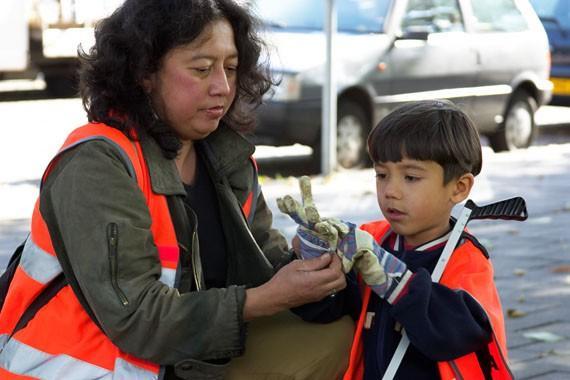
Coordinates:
<point>231,70</point>
<point>380,175</point>
<point>202,70</point>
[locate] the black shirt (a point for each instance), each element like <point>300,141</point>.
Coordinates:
<point>201,197</point>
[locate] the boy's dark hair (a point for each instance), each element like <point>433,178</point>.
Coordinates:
<point>433,130</point>
<point>131,43</point>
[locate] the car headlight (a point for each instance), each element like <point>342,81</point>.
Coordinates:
<point>288,88</point>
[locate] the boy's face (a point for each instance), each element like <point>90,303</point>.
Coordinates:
<point>414,199</point>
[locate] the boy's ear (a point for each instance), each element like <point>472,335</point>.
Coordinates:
<point>462,188</point>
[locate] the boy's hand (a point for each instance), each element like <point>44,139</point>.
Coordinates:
<point>312,244</point>
<point>315,237</point>
<point>383,272</point>
<point>305,215</point>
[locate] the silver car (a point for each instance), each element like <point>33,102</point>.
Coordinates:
<point>491,57</point>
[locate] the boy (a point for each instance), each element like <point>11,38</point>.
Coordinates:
<point>426,155</point>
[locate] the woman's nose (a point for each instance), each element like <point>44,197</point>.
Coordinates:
<point>220,84</point>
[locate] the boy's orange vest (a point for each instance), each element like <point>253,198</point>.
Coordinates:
<point>468,270</point>
<point>62,334</point>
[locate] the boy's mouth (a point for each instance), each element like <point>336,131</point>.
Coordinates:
<point>394,214</point>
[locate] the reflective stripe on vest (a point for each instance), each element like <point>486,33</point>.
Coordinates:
<point>465,367</point>
<point>19,358</point>
<point>36,269</point>
<point>62,341</point>
<point>39,264</point>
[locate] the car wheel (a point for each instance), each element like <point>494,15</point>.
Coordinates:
<point>518,128</point>
<point>352,131</point>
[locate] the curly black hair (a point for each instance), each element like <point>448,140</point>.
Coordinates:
<point>130,45</point>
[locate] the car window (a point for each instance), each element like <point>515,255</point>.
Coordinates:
<point>553,11</point>
<point>432,16</point>
<point>356,16</point>
<point>497,16</point>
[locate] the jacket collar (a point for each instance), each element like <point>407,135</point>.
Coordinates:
<point>224,148</point>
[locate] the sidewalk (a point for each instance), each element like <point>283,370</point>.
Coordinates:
<point>531,258</point>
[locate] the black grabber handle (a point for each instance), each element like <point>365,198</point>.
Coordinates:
<point>508,209</point>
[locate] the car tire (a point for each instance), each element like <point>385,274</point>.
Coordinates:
<point>352,130</point>
<point>518,129</point>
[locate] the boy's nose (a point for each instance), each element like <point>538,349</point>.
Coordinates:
<point>392,190</point>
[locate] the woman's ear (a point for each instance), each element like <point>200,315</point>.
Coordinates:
<point>147,83</point>
<point>462,188</point>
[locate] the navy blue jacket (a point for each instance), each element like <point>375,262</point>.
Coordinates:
<point>442,323</point>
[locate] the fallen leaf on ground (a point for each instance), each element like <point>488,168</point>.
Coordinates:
<point>519,272</point>
<point>515,313</point>
<point>561,269</point>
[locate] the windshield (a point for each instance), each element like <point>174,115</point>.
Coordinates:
<point>355,16</point>
<point>553,11</point>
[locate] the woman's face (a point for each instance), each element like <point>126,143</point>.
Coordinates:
<point>196,83</point>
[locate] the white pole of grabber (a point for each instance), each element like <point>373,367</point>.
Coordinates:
<point>328,130</point>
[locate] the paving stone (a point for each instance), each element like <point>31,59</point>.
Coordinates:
<point>539,369</point>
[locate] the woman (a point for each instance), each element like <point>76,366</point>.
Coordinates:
<point>154,215</point>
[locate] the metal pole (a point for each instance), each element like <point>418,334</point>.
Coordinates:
<point>328,130</point>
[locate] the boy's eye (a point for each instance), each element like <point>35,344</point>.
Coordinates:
<point>411,178</point>
<point>380,175</point>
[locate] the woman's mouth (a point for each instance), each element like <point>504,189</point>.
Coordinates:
<point>215,112</point>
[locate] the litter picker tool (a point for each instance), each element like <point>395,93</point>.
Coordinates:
<point>508,209</point>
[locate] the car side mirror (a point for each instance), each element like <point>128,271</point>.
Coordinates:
<point>416,32</point>
<point>413,34</point>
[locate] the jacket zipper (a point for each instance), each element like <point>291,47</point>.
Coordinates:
<point>196,262</point>
<point>195,254</point>
<point>194,247</point>
<point>113,242</point>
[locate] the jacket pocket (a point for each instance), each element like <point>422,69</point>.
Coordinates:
<point>190,369</point>
<point>113,246</point>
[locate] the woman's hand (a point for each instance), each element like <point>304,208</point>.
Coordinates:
<point>297,283</point>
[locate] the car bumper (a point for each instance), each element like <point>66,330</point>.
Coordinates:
<point>544,91</point>
<point>560,78</point>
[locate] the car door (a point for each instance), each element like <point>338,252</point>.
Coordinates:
<point>501,36</point>
<point>431,56</point>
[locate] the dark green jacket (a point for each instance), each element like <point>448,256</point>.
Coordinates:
<point>90,188</point>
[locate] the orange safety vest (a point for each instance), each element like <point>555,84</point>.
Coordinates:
<point>469,270</point>
<point>62,341</point>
